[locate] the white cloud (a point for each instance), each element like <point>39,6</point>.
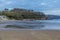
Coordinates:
<point>10,8</point>
<point>53,12</point>
<point>43,3</point>
<point>2,0</point>
<point>22,2</point>
<point>54,1</point>
<point>5,3</point>
<point>9,2</point>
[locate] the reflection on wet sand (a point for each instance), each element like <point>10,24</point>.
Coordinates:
<point>22,24</point>
<point>18,24</point>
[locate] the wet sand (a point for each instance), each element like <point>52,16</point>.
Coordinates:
<point>29,35</point>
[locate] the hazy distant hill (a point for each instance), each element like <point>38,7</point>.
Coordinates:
<point>51,17</point>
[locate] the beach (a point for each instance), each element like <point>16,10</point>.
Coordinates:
<point>34,30</point>
<point>29,34</point>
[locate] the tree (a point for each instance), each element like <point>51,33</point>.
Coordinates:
<point>22,14</point>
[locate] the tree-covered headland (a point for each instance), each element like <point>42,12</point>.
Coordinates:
<point>20,14</point>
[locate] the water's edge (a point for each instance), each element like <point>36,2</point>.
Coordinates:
<point>32,25</point>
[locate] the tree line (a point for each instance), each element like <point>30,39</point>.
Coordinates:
<point>19,14</point>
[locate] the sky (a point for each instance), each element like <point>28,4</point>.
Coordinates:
<point>47,6</point>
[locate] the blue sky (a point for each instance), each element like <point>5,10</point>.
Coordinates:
<point>47,6</point>
<point>27,4</point>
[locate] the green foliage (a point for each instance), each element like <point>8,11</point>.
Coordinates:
<point>19,14</point>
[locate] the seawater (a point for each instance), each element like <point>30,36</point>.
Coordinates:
<point>35,24</point>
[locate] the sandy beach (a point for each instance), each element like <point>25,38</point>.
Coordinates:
<point>29,35</point>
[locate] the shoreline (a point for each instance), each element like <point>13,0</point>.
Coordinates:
<point>3,29</point>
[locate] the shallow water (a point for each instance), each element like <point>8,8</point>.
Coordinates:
<point>36,24</point>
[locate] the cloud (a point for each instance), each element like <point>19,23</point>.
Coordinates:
<point>43,4</point>
<point>6,3</point>
<point>9,2</point>
<point>30,4</point>
<point>2,0</point>
<point>55,1</point>
<point>53,12</point>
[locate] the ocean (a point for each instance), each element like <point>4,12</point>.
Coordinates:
<point>32,25</point>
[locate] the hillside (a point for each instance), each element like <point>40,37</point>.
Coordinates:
<point>19,14</point>
<point>51,17</point>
